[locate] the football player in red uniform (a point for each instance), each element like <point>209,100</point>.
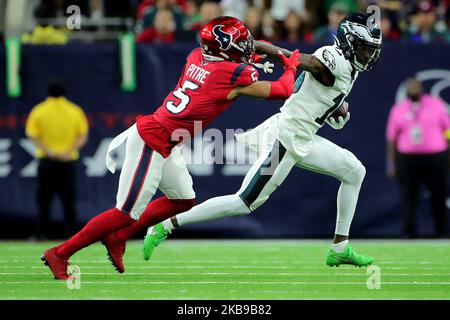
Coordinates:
<point>214,76</point>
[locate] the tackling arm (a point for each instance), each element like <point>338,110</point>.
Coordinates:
<point>307,62</point>
<point>280,89</point>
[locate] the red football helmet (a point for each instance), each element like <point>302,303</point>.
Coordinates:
<point>227,38</point>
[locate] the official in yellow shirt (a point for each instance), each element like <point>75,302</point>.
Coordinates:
<point>59,129</point>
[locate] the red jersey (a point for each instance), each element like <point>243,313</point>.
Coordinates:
<point>200,96</point>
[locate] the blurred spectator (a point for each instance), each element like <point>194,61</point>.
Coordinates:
<point>418,153</point>
<point>149,14</point>
<point>253,21</point>
<point>234,8</point>
<point>59,129</point>
<point>351,5</point>
<point>142,7</point>
<point>145,4</point>
<point>337,12</point>
<point>387,29</point>
<point>163,30</point>
<point>192,16</point>
<point>268,26</point>
<point>281,8</point>
<point>294,28</point>
<point>44,33</point>
<point>425,26</point>
<point>416,21</point>
<point>208,11</point>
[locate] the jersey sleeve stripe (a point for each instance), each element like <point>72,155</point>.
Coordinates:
<point>237,72</point>
<point>299,82</point>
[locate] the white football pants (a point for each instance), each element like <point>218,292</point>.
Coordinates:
<point>269,171</point>
<point>144,171</point>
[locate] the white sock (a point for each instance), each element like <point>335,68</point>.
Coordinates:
<point>168,225</point>
<point>347,199</point>
<point>214,208</point>
<point>339,247</point>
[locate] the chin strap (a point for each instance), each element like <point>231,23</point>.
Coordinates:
<point>208,57</point>
<point>283,88</point>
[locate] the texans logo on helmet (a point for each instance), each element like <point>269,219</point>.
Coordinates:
<point>224,38</point>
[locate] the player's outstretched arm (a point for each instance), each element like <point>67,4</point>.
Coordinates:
<point>280,89</point>
<point>307,62</point>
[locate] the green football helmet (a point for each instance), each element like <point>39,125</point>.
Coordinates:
<point>360,39</point>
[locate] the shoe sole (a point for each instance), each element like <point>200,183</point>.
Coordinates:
<point>47,265</point>
<point>337,265</point>
<point>109,255</point>
<point>143,251</point>
<point>146,258</point>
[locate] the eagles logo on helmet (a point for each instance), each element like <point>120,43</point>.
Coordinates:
<point>227,38</point>
<point>360,40</point>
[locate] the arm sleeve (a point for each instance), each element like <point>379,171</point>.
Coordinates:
<point>392,125</point>
<point>244,75</point>
<point>32,127</point>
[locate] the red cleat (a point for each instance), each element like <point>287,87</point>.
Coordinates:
<point>57,265</point>
<point>116,250</point>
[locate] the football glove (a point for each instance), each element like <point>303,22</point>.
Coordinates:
<point>266,66</point>
<point>292,62</point>
<point>340,123</point>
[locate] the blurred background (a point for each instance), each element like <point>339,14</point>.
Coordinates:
<point>118,59</point>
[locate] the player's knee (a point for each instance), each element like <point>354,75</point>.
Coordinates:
<point>357,173</point>
<point>239,206</point>
<point>134,216</point>
<point>361,171</point>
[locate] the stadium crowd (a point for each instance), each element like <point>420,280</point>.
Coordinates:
<point>165,21</point>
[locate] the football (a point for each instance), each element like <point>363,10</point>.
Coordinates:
<point>341,111</point>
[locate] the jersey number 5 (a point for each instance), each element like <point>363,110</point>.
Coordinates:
<point>182,95</point>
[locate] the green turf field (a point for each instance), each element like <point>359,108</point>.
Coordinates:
<point>233,270</point>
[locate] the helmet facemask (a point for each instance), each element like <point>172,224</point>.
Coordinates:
<point>360,41</point>
<point>365,54</point>
<point>247,47</point>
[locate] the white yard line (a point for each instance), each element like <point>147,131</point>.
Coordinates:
<point>158,263</point>
<point>229,282</point>
<point>269,242</point>
<point>239,273</point>
<point>153,267</point>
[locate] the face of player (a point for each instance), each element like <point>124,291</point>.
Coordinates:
<point>366,53</point>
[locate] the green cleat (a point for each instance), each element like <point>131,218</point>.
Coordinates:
<point>154,237</point>
<point>347,257</point>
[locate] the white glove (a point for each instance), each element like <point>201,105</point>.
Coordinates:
<point>266,66</point>
<point>340,123</point>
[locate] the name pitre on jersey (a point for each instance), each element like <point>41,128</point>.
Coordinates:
<point>312,103</point>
